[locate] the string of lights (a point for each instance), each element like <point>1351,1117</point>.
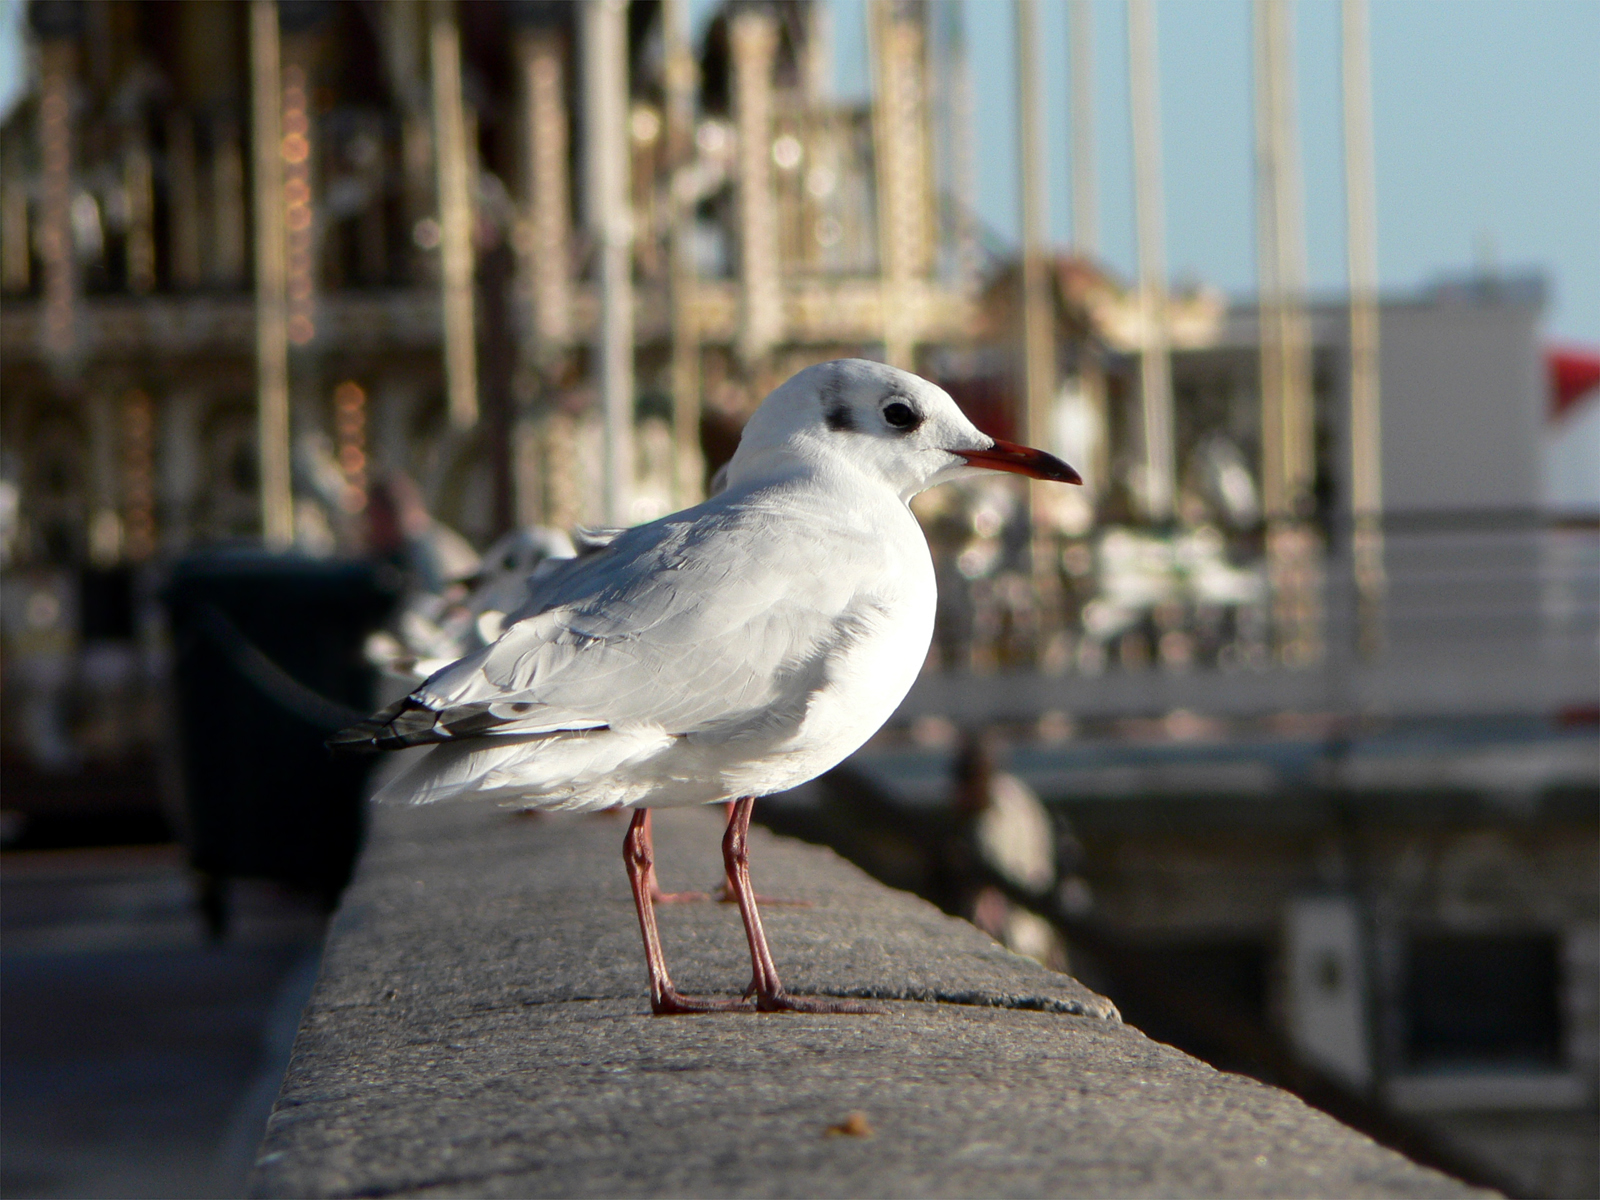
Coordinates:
<point>299,222</point>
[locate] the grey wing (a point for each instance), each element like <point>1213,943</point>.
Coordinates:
<point>680,626</point>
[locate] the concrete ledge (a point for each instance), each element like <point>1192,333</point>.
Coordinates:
<point>482,1028</point>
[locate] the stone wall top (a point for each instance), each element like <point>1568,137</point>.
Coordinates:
<point>482,1028</point>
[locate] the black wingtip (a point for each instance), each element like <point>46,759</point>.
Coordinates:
<point>385,730</point>
<point>403,724</point>
<point>360,738</point>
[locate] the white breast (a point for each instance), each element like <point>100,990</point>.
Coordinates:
<point>864,679</point>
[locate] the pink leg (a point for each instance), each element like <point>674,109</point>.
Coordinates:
<point>727,892</point>
<point>657,896</point>
<point>639,855</point>
<point>768,990</point>
<point>723,893</point>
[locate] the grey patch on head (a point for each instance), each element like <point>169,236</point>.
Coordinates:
<point>834,409</point>
<point>839,417</point>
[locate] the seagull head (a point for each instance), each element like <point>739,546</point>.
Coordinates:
<point>882,422</point>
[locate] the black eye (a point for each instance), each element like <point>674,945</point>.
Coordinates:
<point>901,416</point>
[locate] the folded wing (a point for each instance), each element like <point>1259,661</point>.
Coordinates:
<point>686,624</point>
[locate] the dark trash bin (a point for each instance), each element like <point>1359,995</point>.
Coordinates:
<point>267,663</point>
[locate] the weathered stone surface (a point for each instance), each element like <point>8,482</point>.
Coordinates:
<point>482,1028</point>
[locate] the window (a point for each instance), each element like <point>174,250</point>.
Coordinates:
<point>1482,1000</point>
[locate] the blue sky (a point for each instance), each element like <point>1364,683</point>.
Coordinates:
<point>1487,127</point>
<point>1486,123</point>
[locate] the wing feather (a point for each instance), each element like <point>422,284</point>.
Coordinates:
<point>696,621</point>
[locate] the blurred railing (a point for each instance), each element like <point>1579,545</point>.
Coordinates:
<point>1482,581</point>
<point>1481,612</point>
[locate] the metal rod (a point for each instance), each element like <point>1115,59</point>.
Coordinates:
<point>1080,65</point>
<point>549,192</point>
<point>1155,363</point>
<point>60,326</point>
<point>688,462</point>
<point>1293,546</point>
<point>1038,312</point>
<point>544,265</point>
<point>899,151</point>
<point>1299,462</point>
<point>1366,436</point>
<point>969,265</point>
<point>605,88</point>
<point>272,334</point>
<point>1038,342</point>
<point>1288,463</point>
<point>1269,335</point>
<point>1086,229</point>
<point>455,217</point>
<point>753,41</point>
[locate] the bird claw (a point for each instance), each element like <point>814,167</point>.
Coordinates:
<point>673,1003</point>
<point>657,896</point>
<point>723,894</point>
<point>784,1002</point>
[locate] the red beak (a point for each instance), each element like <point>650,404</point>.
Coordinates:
<point>1021,460</point>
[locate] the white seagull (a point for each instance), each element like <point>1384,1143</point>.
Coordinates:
<point>726,652</point>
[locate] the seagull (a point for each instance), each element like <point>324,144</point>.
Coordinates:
<point>726,652</point>
<point>510,569</point>
<point>433,630</point>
